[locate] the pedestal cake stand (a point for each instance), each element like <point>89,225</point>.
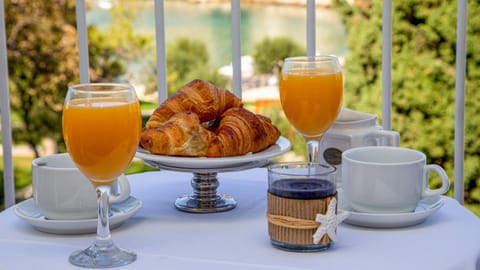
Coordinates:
<point>205,198</point>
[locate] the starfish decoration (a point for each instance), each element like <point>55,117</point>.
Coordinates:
<point>329,222</point>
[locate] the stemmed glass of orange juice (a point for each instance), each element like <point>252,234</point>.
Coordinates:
<point>101,128</point>
<point>311,91</point>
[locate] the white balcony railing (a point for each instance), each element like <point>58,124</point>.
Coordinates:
<point>236,64</point>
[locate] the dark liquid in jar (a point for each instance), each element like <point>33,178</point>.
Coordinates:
<point>293,188</point>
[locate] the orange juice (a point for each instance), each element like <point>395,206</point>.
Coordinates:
<point>311,99</point>
<point>102,136</point>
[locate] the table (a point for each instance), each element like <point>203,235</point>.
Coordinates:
<point>165,238</point>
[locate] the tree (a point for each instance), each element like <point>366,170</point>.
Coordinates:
<point>43,61</point>
<point>41,43</point>
<point>112,49</point>
<point>188,59</point>
<point>270,52</point>
<point>423,77</point>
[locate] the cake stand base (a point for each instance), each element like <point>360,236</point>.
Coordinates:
<point>205,198</point>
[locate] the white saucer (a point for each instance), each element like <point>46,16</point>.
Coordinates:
<point>120,212</point>
<point>424,209</point>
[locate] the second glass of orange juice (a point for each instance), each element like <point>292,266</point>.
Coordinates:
<point>311,91</point>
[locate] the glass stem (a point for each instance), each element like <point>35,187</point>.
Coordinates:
<point>312,150</point>
<point>104,238</point>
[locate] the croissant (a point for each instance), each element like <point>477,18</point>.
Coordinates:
<point>200,97</point>
<point>181,135</point>
<point>241,131</point>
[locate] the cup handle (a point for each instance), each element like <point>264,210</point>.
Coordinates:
<point>427,192</point>
<point>120,190</point>
<point>386,137</point>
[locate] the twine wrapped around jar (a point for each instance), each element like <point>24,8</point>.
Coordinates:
<point>292,221</point>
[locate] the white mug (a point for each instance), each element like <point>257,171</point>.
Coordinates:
<point>382,179</point>
<point>61,191</point>
<point>353,129</point>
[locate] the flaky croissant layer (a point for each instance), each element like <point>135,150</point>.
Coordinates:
<point>241,131</point>
<point>181,126</point>
<point>197,96</point>
<point>181,135</point>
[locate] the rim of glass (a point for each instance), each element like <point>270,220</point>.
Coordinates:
<point>102,87</point>
<point>280,168</point>
<point>315,58</point>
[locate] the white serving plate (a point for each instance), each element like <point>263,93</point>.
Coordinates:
<point>280,147</point>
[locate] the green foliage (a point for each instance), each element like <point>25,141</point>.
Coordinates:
<point>188,59</point>
<point>22,173</point>
<point>137,166</point>
<point>423,77</point>
<point>42,58</point>
<point>185,55</point>
<point>120,44</point>
<point>105,65</point>
<point>270,52</point>
<point>41,47</point>
<point>276,114</point>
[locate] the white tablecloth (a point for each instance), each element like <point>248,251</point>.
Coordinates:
<point>165,238</point>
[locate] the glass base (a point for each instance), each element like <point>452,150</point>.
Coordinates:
<point>300,247</point>
<point>102,257</point>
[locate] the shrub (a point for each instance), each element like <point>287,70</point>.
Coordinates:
<point>270,52</point>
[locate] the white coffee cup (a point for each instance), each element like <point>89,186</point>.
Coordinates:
<point>383,179</point>
<point>61,191</point>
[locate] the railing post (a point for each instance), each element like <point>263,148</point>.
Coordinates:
<point>387,64</point>
<point>460,64</point>
<point>82,37</point>
<point>162,87</point>
<point>311,32</point>
<point>8,179</point>
<point>236,51</point>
